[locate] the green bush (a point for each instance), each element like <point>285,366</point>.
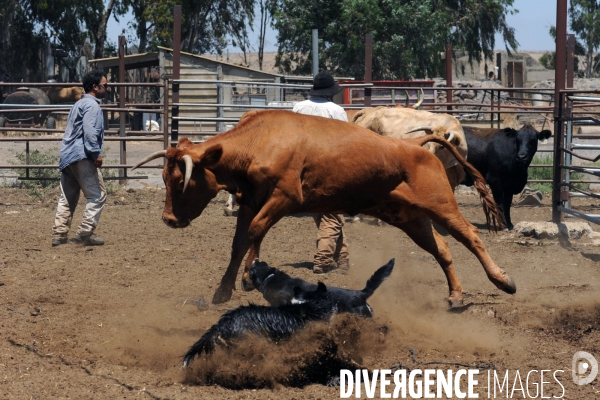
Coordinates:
<point>45,179</point>
<point>112,186</point>
<point>42,180</point>
<point>545,173</point>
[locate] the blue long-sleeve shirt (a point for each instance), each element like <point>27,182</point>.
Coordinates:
<point>84,136</point>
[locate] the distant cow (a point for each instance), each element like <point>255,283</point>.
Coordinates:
<point>152,126</point>
<point>503,156</point>
<point>58,95</point>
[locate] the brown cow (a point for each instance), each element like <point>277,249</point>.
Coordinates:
<point>279,163</point>
<point>58,95</point>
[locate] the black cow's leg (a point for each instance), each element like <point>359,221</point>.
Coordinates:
<point>422,233</point>
<point>498,194</point>
<point>238,250</point>
<point>506,203</point>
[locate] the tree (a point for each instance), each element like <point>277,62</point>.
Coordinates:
<point>408,37</point>
<point>95,18</point>
<point>140,23</point>
<point>585,23</point>
<point>207,25</point>
<point>267,9</point>
<point>21,39</point>
<point>73,27</point>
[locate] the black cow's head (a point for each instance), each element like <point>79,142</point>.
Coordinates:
<point>527,141</point>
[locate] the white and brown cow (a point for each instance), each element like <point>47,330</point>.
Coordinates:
<point>408,123</point>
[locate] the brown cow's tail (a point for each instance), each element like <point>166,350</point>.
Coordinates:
<point>490,208</point>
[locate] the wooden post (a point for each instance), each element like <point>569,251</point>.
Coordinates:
<point>449,74</point>
<point>176,74</point>
<point>315,52</point>
<point>570,60</point>
<point>220,114</point>
<point>122,113</point>
<point>368,68</point>
<point>559,84</point>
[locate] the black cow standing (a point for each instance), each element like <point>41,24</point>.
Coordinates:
<point>503,156</point>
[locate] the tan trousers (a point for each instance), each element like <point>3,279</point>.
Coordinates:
<point>79,176</point>
<point>331,241</point>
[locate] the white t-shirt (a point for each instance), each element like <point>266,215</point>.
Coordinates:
<point>321,107</point>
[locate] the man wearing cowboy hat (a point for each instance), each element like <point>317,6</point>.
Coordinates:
<point>332,250</point>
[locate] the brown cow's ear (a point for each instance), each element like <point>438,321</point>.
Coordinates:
<point>212,155</point>
<point>184,142</point>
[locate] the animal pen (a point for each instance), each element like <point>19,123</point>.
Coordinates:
<point>212,97</point>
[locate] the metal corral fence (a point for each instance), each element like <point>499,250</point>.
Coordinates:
<point>143,102</point>
<point>498,106</point>
<point>578,151</point>
<point>233,98</point>
<point>124,121</point>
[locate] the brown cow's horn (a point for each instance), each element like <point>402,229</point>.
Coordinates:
<point>421,128</point>
<point>153,156</point>
<point>419,99</point>
<point>406,102</point>
<point>189,165</point>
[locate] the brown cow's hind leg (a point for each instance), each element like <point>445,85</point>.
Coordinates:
<point>422,233</point>
<point>440,205</point>
<point>468,235</point>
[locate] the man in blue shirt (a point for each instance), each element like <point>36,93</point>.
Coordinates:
<point>80,160</point>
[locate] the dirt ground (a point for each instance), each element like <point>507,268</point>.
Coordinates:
<point>113,321</point>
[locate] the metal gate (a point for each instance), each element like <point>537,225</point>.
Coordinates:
<point>573,115</point>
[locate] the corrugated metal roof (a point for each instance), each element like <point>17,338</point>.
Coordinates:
<point>145,59</point>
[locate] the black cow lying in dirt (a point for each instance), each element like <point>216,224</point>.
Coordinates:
<point>503,156</point>
<point>275,323</point>
<point>279,288</point>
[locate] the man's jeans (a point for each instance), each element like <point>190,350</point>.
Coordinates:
<point>79,176</point>
<point>331,241</point>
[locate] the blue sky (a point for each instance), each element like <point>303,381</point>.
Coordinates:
<point>531,24</point>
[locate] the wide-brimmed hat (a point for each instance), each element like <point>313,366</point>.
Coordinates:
<point>324,85</point>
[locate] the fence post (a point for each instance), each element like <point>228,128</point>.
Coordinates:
<point>315,52</point>
<point>176,73</point>
<point>449,74</point>
<point>219,98</point>
<point>27,159</point>
<point>165,116</point>
<point>122,113</point>
<point>559,84</point>
<point>498,121</point>
<point>368,68</point>
<point>492,108</point>
<point>570,60</point>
